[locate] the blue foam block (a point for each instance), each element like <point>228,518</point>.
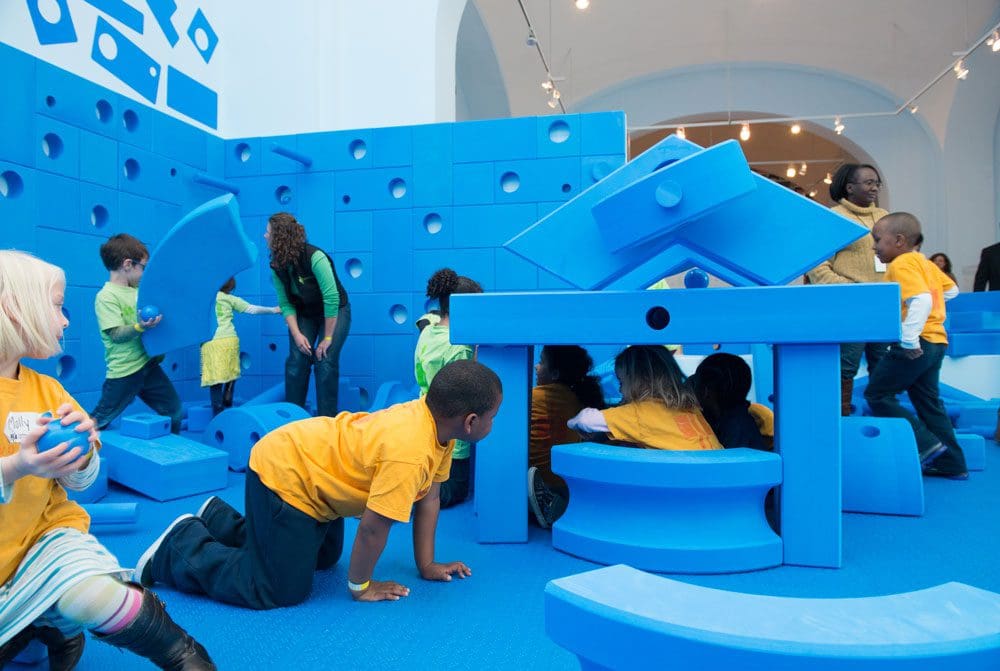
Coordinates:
<point>338,150</point>
<point>199,417</point>
<point>164,468</point>
<point>58,147</point>
<point>472,183</point>
<point>392,262</point>
<point>881,467</point>
<point>162,11</point>
<point>98,159</point>
<point>621,618</point>
<point>495,140</point>
<point>965,344</point>
<point>243,157</point>
<point>76,101</point>
<point>186,269</point>
<point>59,206</point>
<point>668,511</point>
<point>603,133</point>
<point>552,179</point>
<point>353,232</point>
<point>180,141</point>
<point>559,135</point>
<point>974,448</point>
<point>133,66</point>
<point>136,127</point>
<point>236,430</point>
<point>200,23</point>
<point>976,413</point>
<point>145,425</point>
<point>382,313</point>
<point>59,32</point>
<point>17,138</point>
<point>120,11</point>
<point>392,146</point>
<point>192,98</point>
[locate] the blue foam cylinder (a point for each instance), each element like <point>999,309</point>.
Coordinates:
<point>112,513</point>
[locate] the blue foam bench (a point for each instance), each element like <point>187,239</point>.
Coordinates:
<point>164,468</point>
<point>880,467</point>
<point>668,511</point>
<point>621,618</point>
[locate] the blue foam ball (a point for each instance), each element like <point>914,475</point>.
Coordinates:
<point>57,433</point>
<point>696,278</point>
<point>149,312</point>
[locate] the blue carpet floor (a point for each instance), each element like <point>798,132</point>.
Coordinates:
<point>494,620</point>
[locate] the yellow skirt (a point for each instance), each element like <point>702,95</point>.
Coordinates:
<point>220,361</point>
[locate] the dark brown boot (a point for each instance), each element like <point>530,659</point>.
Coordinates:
<point>14,647</point>
<point>153,635</point>
<point>846,391</point>
<point>64,653</point>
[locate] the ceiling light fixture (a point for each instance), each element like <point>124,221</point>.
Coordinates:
<point>828,179</point>
<point>745,131</point>
<point>838,126</point>
<point>803,168</point>
<point>994,41</point>
<point>582,5</point>
<point>961,72</point>
<point>790,172</point>
<point>680,133</point>
<point>796,129</point>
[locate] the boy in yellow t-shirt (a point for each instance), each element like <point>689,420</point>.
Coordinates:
<point>913,365</point>
<point>307,476</point>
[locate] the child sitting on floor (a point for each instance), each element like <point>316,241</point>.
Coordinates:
<point>721,383</point>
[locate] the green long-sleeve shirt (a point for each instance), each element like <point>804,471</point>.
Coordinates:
<point>324,278</point>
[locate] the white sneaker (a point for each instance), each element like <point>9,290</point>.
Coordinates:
<point>143,572</point>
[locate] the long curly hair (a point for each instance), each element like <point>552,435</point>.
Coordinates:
<point>445,282</point>
<point>288,239</point>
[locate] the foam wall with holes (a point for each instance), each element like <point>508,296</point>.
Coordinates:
<point>390,205</point>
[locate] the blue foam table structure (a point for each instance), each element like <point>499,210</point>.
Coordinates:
<point>668,511</point>
<point>164,468</point>
<point>881,466</point>
<point>236,430</point>
<point>185,271</point>
<point>621,618</point>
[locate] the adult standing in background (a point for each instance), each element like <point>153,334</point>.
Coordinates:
<point>988,272</point>
<point>315,307</point>
<point>855,188</point>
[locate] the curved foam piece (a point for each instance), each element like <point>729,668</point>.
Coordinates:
<point>668,511</point>
<point>391,393</point>
<point>881,466</point>
<point>185,271</point>
<point>621,618</point>
<point>236,430</point>
<point>112,513</point>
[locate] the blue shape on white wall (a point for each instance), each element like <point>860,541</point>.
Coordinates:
<point>121,12</point>
<point>49,28</point>
<point>125,60</point>
<point>163,10</point>
<point>192,98</point>
<point>200,23</point>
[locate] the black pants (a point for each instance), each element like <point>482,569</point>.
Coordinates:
<point>150,384</point>
<point>894,374</point>
<point>222,396</point>
<point>455,489</point>
<point>263,559</point>
<point>297,364</point>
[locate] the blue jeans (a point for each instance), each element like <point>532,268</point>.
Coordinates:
<point>894,374</point>
<point>297,364</point>
<point>263,559</point>
<point>150,384</point>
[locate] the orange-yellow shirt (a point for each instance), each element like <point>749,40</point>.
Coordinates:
<point>916,275</point>
<point>36,505</point>
<point>552,405</point>
<point>330,467</point>
<point>652,424</point>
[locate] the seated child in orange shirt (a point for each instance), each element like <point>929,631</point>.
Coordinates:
<point>721,383</point>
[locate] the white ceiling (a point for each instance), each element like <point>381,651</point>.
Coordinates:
<point>897,45</point>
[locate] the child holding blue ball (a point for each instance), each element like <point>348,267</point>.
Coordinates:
<point>56,580</point>
<point>131,371</point>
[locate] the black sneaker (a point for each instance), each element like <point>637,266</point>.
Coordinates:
<point>936,472</point>
<point>143,573</point>
<point>540,498</point>
<point>932,453</point>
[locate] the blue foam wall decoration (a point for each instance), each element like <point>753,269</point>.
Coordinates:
<point>121,12</point>
<point>125,60</point>
<point>200,24</point>
<point>162,11</point>
<point>60,31</point>
<point>192,98</point>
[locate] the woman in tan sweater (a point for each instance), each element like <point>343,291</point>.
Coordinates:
<point>855,189</point>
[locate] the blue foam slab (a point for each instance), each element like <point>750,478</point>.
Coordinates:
<point>395,354</point>
<point>236,430</point>
<point>392,146</point>
<point>491,225</point>
<point>75,253</point>
<point>356,271</point>
<point>434,144</point>
<point>59,32</point>
<point>145,425</point>
<point>664,201</point>
<point>352,232</point>
<point>972,322</point>
<point>976,413</point>
<point>621,618</point>
<point>133,66</point>
<point>603,133</point>
<point>432,184</point>
<point>475,263</point>
<point>382,314</point>
<point>98,159</point>
<point>393,250</point>
<point>263,196</point>
<point>95,492</point>
<point>314,207</point>
<point>17,207</point>
<point>179,141</point>
<point>243,157</point>
<point>338,150</point>
<point>200,23</point>
<point>472,183</point>
<point>273,353</point>
<point>595,168</point>
<point>165,468</point>
<point>57,147</point>
<point>881,467</point>
<point>162,11</point>
<point>514,273</point>
<point>966,344</point>
<point>975,301</point>
<point>192,98</point>
<point>358,356</point>
<point>151,175</point>
<point>495,140</point>
<point>121,12</point>
<point>559,135</point>
<point>974,448</point>
<point>76,101</point>
<point>59,206</point>
<point>551,179</point>
<point>136,126</point>
<point>668,511</point>
<point>147,219</point>
<point>16,121</point>
<point>383,188</point>
<point>433,228</point>
<point>186,269</point>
